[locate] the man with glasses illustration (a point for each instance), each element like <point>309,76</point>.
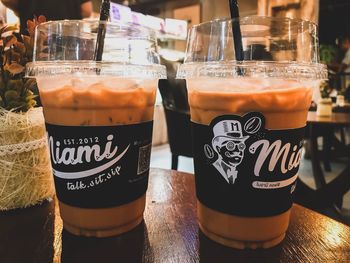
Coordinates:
<point>229,143</point>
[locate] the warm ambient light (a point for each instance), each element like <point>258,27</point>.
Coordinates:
<point>11,18</point>
<point>332,233</point>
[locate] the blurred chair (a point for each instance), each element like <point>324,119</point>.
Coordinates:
<point>177,114</point>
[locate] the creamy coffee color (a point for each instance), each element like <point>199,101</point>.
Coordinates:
<point>285,104</point>
<point>96,101</point>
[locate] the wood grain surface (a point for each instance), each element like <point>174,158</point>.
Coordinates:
<point>169,233</point>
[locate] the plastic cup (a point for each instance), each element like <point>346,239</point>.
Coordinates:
<point>99,118</point>
<point>248,122</point>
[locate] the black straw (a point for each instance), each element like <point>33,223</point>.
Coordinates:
<point>102,28</point>
<point>236,30</point>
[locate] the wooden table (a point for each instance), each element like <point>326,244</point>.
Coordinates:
<point>336,119</point>
<point>168,234</point>
<point>342,109</point>
<point>335,108</point>
<point>325,127</point>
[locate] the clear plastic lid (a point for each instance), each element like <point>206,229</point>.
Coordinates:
<point>272,48</point>
<point>68,47</point>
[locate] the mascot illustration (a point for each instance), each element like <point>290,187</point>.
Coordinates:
<point>229,144</point>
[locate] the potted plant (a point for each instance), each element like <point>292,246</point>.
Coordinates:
<point>25,170</point>
<point>324,105</point>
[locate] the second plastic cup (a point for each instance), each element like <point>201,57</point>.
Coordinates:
<point>99,118</point>
<point>248,122</point>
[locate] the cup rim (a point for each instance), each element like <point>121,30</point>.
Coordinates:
<point>251,17</point>
<point>253,69</point>
<point>94,68</point>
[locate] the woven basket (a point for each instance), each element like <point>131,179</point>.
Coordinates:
<point>25,169</point>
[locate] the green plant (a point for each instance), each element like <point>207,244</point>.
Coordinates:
<point>17,93</point>
<point>327,53</point>
<point>325,89</point>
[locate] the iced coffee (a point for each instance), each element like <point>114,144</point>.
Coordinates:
<point>284,105</point>
<point>103,103</point>
<point>248,121</point>
<point>99,120</point>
